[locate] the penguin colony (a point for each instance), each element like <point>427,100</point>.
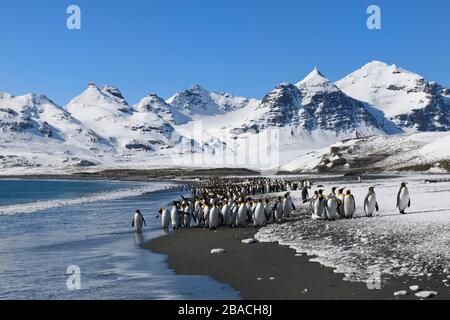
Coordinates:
<point>231,203</point>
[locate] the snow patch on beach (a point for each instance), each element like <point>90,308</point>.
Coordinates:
<point>415,244</point>
<point>103,196</point>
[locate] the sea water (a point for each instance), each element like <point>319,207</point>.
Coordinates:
<point>48,228</point>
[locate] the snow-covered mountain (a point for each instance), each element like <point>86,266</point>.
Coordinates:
<point>105,111</point>
<point>197,101</point>
<point>405,97</point>
<point>377,103</point>
<point>35,117</point>
<point>315,103</point>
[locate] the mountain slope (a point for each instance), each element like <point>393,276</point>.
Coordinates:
<point>197,101</point>
<point>105,111</point>
<point>405,97</point>
<point>315,103</point>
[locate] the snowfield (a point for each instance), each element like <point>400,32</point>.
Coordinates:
<point>415,244</point>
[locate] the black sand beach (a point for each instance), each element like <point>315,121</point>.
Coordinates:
<point>294,277</point>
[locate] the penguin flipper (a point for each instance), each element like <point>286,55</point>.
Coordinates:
<point>376,207</point>
<point>132,223</point>
<point>409,203</point>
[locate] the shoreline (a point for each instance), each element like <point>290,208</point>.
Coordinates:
<point>248,268</point>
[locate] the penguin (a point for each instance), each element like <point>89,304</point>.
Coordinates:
<point>319,206</point>
<point>340,199</point>
<point>175,216</point>
<point>305,194</point>
<point>242,215</point>
<point>206,212</point>
<point>187,215</point>
<point>370,202</point>
<point>214,217</point>
<point>349,205</point>
<point>288,206</point>
<point>165,218</point>
<point>267,209</point>
<point>312,200</point>
<point>234,214</point>
<point>403,199</point>
<point>331,206</point>
<point>199,214</point>
<point>259,215</point>
<point>278,209</point>
<point>226,214</point>
<point>138,221</point>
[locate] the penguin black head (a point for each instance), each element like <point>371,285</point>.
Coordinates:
<point>341,190</point>
<point>138,211</point>
<point>320,191</point>
<point>349,192</point>
<point>404,184</point>
<point>371,188</point>
<point>334,189</point>
<point>160,210</point>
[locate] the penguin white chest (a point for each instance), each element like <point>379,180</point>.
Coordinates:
<point>370,204</point>
<point>214,218</point>
<point>138,222</point>
<point>165,219</point>
<point>403,199</point>
<point>260,218</point>
<point>175,216</point>
<point>331,208</point>
<point>349,207</point>
<point>319,207</point>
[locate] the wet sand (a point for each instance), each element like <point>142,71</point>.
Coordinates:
<point>293,277</point>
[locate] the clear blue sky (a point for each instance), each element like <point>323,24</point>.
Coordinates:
<point>245,47</point>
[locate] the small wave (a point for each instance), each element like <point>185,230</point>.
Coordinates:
<point>96,197</point>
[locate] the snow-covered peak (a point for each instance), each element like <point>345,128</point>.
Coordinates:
<point>97,102</point>
<point>197,101</point>
<point>388,87</point>
<point>316,82</point>
<point>155,104</point>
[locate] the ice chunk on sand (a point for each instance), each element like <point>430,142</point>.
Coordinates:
<point>414,288</point>
<point>213,251</point>
<point>248,241</point>
<point>400,293</point>
<point>426,294</point>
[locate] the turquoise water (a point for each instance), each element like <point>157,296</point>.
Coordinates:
<point>47,226</point>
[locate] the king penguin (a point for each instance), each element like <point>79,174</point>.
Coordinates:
<point>165,218</point>
<point>349,205</point>
<point>288,205</point>
<point>259,215</point>
<point>331,206</point>
<point>214,217</point>
<point>340,198</point>
<point>370,202</point>
<point>138,221</point>
<point>403,200</point>
<point>175,216</point>
<point>319,206</point>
